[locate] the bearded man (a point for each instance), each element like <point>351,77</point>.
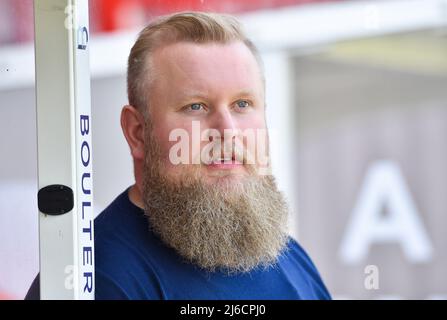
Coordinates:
<point>204,219</point>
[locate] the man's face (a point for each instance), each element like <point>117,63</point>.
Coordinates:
<point>218,86</point>
<point>222,214</point>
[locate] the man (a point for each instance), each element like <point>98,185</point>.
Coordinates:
<point>204,219</point>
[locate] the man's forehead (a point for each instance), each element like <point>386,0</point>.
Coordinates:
<point>198,48</point>
<point>188,57</point>
<point>201,66</point>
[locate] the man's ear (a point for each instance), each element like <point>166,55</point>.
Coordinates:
<point>132,123</point>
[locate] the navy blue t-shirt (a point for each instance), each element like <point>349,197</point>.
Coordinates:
<point>133,263</point>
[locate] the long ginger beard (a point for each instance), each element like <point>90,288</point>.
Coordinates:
<point>234,225</point>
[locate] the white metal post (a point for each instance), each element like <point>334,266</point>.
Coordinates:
<point>64,149</point>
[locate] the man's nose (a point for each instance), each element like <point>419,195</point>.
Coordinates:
<point>224,122</point>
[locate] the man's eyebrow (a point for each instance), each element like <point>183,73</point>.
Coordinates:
<point>245,92</point>
<point>186,96</point>
<point>191,96</point>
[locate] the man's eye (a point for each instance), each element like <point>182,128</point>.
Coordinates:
<point>196,106</point>
<point>243,104</point>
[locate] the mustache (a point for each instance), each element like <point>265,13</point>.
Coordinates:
<point>233,151</point>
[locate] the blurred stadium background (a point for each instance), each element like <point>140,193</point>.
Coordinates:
<point>357,95</point>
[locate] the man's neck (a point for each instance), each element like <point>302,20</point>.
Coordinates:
<point>135,196</point>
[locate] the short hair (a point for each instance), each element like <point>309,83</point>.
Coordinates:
<point>195,27</point>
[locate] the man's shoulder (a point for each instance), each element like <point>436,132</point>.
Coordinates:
<point>299,260</point>
<point>112,212</point>
<point>124,253</point>
<point>120,229</point>
<point>120,219</point>
<point>295,249</point>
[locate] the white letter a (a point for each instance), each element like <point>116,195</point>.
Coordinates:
<point>384,185</point>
